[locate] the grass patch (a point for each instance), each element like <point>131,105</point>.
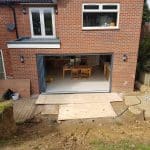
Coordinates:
<point>5,105</point>
<point>3,142</point>
<point>122,145</point>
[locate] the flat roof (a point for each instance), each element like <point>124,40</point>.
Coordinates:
<point>28,40</point>
<point>26,1</point>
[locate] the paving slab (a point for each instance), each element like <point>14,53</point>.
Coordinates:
<point>131,100</point>
<point>144,101</point>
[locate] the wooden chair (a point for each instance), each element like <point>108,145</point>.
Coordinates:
<point>85,73</point>
<point>75,73</point>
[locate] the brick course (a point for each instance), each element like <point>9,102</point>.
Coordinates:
<point>124,40</point>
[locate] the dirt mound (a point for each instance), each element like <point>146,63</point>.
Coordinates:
<point>7,123</point>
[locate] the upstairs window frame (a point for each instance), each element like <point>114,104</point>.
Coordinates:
<point>100,9</point>
<point>41,11</point>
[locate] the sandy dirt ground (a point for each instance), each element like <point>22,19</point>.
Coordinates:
<point>45,133</point>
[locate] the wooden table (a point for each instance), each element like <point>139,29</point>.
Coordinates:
<point>66,68</point>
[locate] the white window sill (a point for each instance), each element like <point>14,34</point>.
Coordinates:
<point>43,37</point>
<point>100,28</point>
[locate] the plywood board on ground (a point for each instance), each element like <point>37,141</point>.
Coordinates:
<point>50,110</point>
<point>85,111</point>
<point>78,98</point>
<point>22,86</point>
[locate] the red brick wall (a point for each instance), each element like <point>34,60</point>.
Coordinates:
<point>125,40</point>
<point>6,18</point>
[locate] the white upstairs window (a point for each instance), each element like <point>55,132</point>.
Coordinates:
<point>100,16</point>
<point>42,22</point>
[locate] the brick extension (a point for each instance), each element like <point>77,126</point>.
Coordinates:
<point>74,40</point>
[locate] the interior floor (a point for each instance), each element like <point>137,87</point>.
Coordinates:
<point>56,83</point>
<point>96,83</point>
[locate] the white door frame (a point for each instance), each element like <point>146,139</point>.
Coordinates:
<point>1,52</point>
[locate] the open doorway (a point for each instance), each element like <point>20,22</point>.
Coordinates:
<point>77,74</point>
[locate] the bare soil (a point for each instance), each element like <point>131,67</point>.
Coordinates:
<point>7,122</point>
<point>45,133</point>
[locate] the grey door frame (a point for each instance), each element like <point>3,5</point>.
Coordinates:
<point>42,87</point>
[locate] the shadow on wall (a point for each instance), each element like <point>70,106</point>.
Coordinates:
<point>145,30</point>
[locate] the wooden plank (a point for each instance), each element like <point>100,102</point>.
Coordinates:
<point>24,109</point>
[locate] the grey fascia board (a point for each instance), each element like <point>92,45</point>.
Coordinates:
<point>46,41</point>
